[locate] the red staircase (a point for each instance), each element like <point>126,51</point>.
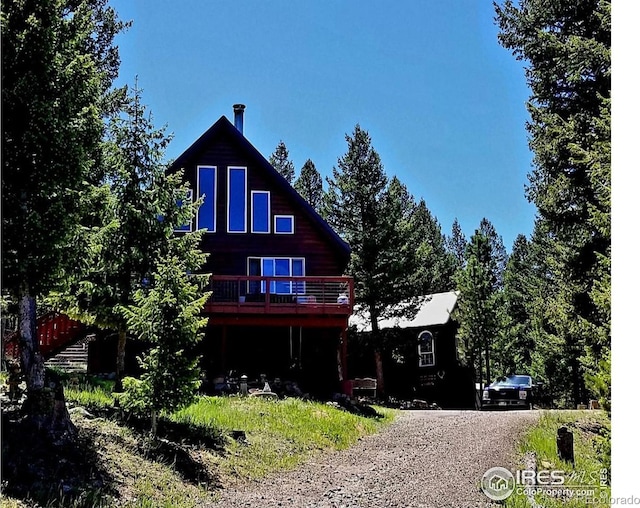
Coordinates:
<point>55,332</point>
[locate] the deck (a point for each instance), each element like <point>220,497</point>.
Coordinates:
<point>294,299</point>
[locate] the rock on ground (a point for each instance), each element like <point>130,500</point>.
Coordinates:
<point>424,459</point>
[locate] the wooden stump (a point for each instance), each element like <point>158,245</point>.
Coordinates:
<point>564,441</point>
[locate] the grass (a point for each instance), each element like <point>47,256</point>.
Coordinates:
<point>90,397</point>
<point>279,434</point>
<point>116,464</point>
<point>589,478</point>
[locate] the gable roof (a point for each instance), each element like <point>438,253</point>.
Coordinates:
<point>433,310</point>
<point>224,127</point>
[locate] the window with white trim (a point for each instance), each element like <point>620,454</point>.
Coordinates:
<point>207,187</point>
<point>237,199</point>
<point>426,350</point>
<point>277,267</point>
<point>283,224</point>
<point>260,212</point>
<point>180,203</point>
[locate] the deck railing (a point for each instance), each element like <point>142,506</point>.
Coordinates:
<point>55,331</point>
<point>280,295</point>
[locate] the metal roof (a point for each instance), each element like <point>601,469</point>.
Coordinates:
<point>433,310</point>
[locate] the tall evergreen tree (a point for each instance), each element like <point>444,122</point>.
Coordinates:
<point>58,62</point>
<point>457,244</point>
<point>567,46</point>
<point>497,255</point>
<point>555,360</point>
<point>399,237</point>
<point>370,215</point>
<point>141,209</point>
<point>309,185</point>
<point>435,266</point>
<point>515,345</point>
<point>478,309</point>
<point>279,159</point>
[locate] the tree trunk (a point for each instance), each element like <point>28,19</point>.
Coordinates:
<point>375,335</point>
<point>576,381</point>
<point>122,343</point>
<point>31,360</point>
<point>379,373</point>
<point>154,423</point>
<point>45,408</point>
<point>487,362</point>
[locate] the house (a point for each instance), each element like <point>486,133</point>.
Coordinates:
<point>419,353</point>
<point>280,303</point>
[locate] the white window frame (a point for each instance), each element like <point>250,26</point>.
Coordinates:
<point>215,196</point>
<point>425,363</point>
<point>293,224</point>
<point>189,199</point>
<point>263,286</point>
<point>268,231</point>
<point>246,206</point>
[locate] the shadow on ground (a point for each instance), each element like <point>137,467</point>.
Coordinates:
<point>77,474</point>
<point>36,470</point>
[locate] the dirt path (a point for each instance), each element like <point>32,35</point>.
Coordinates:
<point>424,459</point>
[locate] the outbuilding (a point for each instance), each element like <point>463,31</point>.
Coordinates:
<point>419,352</point>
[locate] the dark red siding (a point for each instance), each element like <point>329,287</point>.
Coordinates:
<point>253,336</point>
<point>229,251</point>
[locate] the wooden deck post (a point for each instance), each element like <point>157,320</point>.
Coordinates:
<point>223,350</point>
<point>342,361</point>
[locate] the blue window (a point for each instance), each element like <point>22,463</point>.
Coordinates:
<point>283,224</point>
<point>297,269</point>
<point>237,200</point>
<point>283,269</point>
<point>207,188</point>
<point>260,212</point>
<point>268,270</point>
<point>183,202</point>
<point>277,267</point>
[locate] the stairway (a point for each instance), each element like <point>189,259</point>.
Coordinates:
<point>55,331</point>
<point>72,359</point>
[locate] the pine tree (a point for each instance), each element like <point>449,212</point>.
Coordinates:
<point>515,346</point>
<point>478,309</point>
<point>279,159</point>
<point>435,265</point>
<point>309,185</point>
<point>457,244</point>
<point>567,46</point>
<point>373,217</point>
<point>140,208</point>
<point>399,238</point>
<point>168,317</point>
<point>555,360</point>
<point>497,255</point>
<point>58,63</point>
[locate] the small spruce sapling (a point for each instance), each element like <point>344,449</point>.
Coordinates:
<point>168,317</point>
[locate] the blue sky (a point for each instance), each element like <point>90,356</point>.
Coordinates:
<point>443,102</point>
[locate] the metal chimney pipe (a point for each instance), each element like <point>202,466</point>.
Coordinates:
<point>238,116</point>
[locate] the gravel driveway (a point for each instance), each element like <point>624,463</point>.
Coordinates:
<point>424,459</point>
